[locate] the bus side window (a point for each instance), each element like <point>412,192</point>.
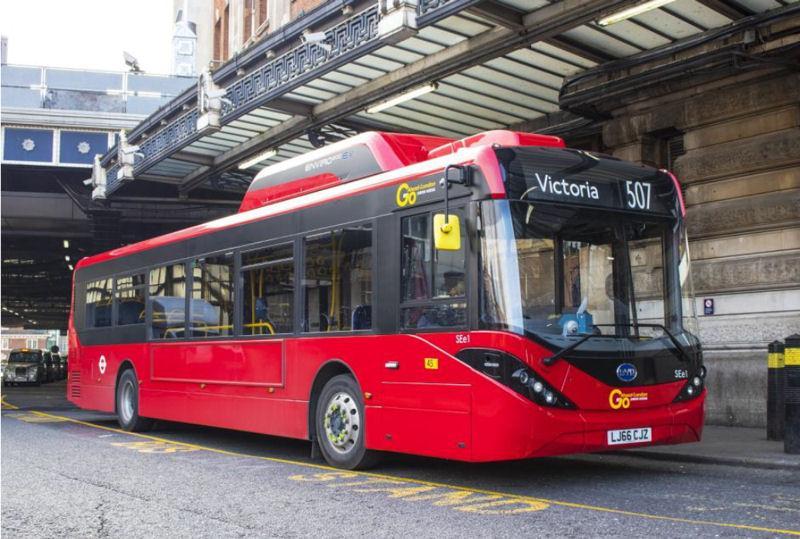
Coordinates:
<point>338,280</point>
<point>433,280</point>
<point>167,301</point>
<point>98,304</point>
<point>211,305</point>
<point>268,290</point>
<point>130,300</point>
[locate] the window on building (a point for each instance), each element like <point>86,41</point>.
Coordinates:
<point>5,344</point>
<point>673,149</point>
<point>168,301</point>
<point>99,301</point>
<point>130,300</point>
<point>211,304</point>
<point>33,343</point>
<point>225,34</point>
<point>262,13</point>
<point>338,280</point>
<point>248,20</point>
<point>268,290</point>
<point>433,282</point>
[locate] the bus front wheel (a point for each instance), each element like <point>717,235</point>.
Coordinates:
<point>340,424</point>
<point>128,404</point>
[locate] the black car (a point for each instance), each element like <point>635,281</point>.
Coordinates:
<point>25,366</point>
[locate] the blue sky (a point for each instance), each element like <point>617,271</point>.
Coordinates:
<point>88,34</point>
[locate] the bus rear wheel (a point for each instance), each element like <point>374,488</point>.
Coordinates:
<point>340,425</point>
<point>128,404</point>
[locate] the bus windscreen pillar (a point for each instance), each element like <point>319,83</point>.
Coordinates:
<point>791,358</point>
<point>775,404</point>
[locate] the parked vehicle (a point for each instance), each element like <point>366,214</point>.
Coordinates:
<point>25,366</point>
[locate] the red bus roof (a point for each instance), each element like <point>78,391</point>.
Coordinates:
<point>396,157</point>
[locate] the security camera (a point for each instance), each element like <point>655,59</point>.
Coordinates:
<point>317,38</point>
<point>132,62</point>
<point>313,37</point>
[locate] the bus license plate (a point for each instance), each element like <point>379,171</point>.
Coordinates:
<point>630,436</point>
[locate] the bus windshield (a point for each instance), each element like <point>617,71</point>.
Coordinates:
<point>560,272</point>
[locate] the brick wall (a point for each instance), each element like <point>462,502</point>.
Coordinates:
<point>298,7</point>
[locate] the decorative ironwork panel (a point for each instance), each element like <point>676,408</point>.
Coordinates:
<point>111,179</point>
<point>276,74</point>
<point>162,142</point>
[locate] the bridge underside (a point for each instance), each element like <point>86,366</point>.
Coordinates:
<point>49,222</point>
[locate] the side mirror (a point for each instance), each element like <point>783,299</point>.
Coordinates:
<point>446,232</point>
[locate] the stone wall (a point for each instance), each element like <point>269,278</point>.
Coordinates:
<point>741,176</point>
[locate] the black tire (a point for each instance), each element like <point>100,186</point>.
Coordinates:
<point>342,439</point>
<point>127,404</point>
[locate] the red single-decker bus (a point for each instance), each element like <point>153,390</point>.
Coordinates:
<point>497,297</point>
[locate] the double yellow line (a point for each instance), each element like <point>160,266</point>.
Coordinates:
<point>520,497</point>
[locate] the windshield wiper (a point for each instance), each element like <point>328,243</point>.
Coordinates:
<point>684,356</point>
<point>558,355</point>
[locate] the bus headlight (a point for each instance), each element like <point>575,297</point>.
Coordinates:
<point>511,372</point>
<point>693,387</point>
<point>538,390</point>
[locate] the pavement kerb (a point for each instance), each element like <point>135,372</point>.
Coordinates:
<point>757,463</point>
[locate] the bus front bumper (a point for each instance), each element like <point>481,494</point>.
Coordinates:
<point>588,431</point>
<point>542,432</point>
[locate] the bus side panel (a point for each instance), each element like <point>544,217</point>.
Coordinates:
<point>217,406</point>
<point>236,384</point>
<point>410,408</point>
<point>99,366</point>
<point>246,363</point>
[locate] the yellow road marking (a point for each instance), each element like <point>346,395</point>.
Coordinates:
<point>572,505</point>
<point>7,405</point>
<point>455,498</point>
<point>29,417</point>
<point>154,447</point>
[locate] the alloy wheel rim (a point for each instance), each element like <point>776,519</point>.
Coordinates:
<point>342,422</point>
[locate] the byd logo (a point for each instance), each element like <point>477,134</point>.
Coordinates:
<point>627,372</point>
<point>405,196</point>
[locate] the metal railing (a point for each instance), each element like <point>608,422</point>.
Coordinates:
<point>34,87</point>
